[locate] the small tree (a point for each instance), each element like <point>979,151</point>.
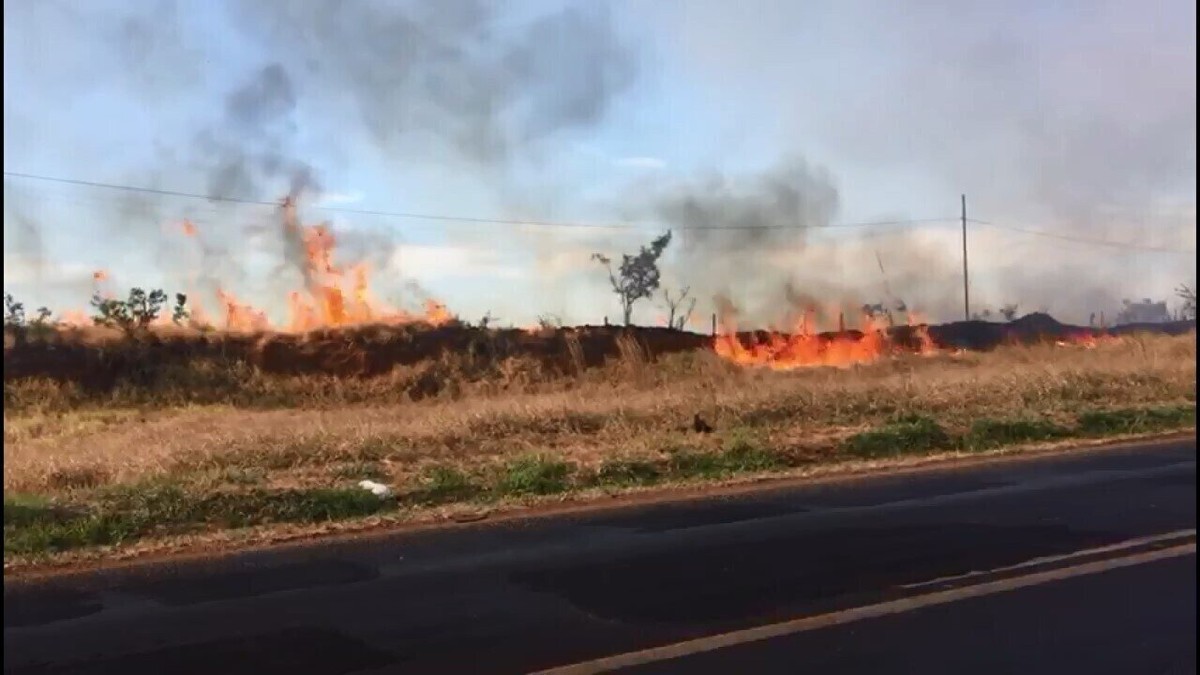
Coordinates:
<point>488,321</point>
<point>638,276</point>
<point>1009,311</point>
<point>873,310</point>
<point>180,313</point>
<point>549,321</point>
<point>881,310</point>
<point>134,313</point>
<point>14,312</point>
<point>39,326</point>
<point>1188,295</point>
<point>677,313</point>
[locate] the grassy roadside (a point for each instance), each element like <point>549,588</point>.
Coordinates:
<point>35,527</point>
<point>90,477</point>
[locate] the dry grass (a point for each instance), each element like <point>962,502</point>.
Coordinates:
<point>324,430</point>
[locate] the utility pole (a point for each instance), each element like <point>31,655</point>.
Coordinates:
<point>966,285</point>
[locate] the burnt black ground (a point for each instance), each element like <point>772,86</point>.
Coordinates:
<point>515,596</point>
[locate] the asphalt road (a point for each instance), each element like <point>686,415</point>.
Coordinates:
<point>1072,563</point>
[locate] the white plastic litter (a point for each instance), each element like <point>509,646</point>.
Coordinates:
<point>378,489</point>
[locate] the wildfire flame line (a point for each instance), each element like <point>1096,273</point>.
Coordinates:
<point>803,348</point>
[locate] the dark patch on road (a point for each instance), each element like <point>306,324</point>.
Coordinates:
<point>729,582</point>
<point>664,517</point>
<point>47,606</point>
<point>1180,479</point>
<point>225,585</point>
<point>1134,461</point>
<point>291,651</point>
<point>894,489</point>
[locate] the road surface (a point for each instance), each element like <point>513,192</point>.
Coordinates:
<point>1083,562</point>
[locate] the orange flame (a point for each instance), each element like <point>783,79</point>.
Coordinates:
<point>332,296</point>
<point>802,348</point>
<point>1087,339</point>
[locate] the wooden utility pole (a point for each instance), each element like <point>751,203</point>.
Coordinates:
<point>966,284</point>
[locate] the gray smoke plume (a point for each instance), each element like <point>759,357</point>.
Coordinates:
<point>718,216</point>
<point>251,144</point>
<point>469,83</point>
<point>728,225</point>
<point>454,70</point>
<point>1078,119</point>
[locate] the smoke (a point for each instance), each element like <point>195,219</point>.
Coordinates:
<point>1078,119</point>
<point>728,225</point>
<point>477,86</point>
<point>720,216</point>
<point>455,70</point>
<point>22,237</point>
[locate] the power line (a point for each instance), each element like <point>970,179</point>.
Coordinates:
<point>1085,240</point>
<point>459,219</point>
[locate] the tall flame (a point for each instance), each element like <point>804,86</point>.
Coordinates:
<point>332,296</point>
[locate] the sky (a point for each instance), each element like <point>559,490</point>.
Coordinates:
<point>767,136</point>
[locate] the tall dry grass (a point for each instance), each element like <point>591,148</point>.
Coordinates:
<point>300,430</point>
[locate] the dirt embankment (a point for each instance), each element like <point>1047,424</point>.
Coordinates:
<point>97,362</point>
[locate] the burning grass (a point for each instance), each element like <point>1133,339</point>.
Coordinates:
<point>261,447</point>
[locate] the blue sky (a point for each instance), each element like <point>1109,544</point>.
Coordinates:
<point>1076,118</point>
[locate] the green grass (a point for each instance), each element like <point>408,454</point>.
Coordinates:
<point>628,473</point>
<point>907,435</point>
<point>739,455</point>
<point>1136,420</point>
<point>986,434</point>
<point>535,475</point>
<point>125,514</point>
<point>443,485</point>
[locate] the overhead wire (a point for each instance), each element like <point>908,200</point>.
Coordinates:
<point>455,218</point>
<point>593,225</point>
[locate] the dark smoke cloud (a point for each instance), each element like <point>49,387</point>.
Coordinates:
<point>727,227</point>
<point>452,69</point>
<point>251,146</point>
<point>719,215</point>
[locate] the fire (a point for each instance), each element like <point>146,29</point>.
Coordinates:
<point>241,316</point>
<point>332,296</point>
<point>1087,339</point>
<point>803,348</point>
<point>784,351</point>
<point>920,327</point>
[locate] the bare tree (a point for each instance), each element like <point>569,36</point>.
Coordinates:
<point>881,310</point>
<point>638,276</point>
<point>677,313</point>
<point>1009,311</point>
<point>1188,295</point>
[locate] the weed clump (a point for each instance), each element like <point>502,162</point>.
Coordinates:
<point>992,433</point>
<point>907,435</point>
